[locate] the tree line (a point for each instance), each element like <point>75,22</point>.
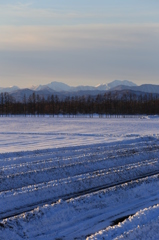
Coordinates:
<point>108,104</point>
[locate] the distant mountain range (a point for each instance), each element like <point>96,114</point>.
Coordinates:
<point>62,87</point>
<point>63,90</point>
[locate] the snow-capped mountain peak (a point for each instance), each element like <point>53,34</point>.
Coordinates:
<point>59,86</point>
<point>102,87</point>
<point>116,83</point>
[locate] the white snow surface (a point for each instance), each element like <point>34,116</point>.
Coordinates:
<point>31,133</point>
<point>143,225</point>
<point>79,178</point>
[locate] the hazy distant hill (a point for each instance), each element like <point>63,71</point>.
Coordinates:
<point>19,94</point>
<point>9,89</point>
<point>147,88</point>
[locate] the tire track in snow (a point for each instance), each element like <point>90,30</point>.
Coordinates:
<point>74,171</point>
<point>30,207</point>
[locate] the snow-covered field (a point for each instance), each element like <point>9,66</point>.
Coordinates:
<point>78,178</point>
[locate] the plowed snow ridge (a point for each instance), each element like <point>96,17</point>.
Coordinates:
<point>76,191</point>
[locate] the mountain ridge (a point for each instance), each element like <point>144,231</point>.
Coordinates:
<point>60,86</point>
<point>63,90</point>
<point>147,88</point>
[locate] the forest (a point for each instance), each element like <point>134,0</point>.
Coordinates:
<point>102,104</point>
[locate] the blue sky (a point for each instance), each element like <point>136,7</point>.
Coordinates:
<point>83,42</point>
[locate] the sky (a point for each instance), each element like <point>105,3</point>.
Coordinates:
<point>78,42</point>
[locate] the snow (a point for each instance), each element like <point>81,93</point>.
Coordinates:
<point>59,86</point>
<point>150,117</point>
<point>76,178</point>
<point>143,225</point>
<point>31,133</point>
<point>79,215</point>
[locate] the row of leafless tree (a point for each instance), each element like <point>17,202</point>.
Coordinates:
<point>101,104</point>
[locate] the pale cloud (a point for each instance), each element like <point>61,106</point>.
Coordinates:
<point>76,46</point>
<point>24,14</point>
<point>37,38</point>
<point>27,14</point>
<point>85,54</point>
